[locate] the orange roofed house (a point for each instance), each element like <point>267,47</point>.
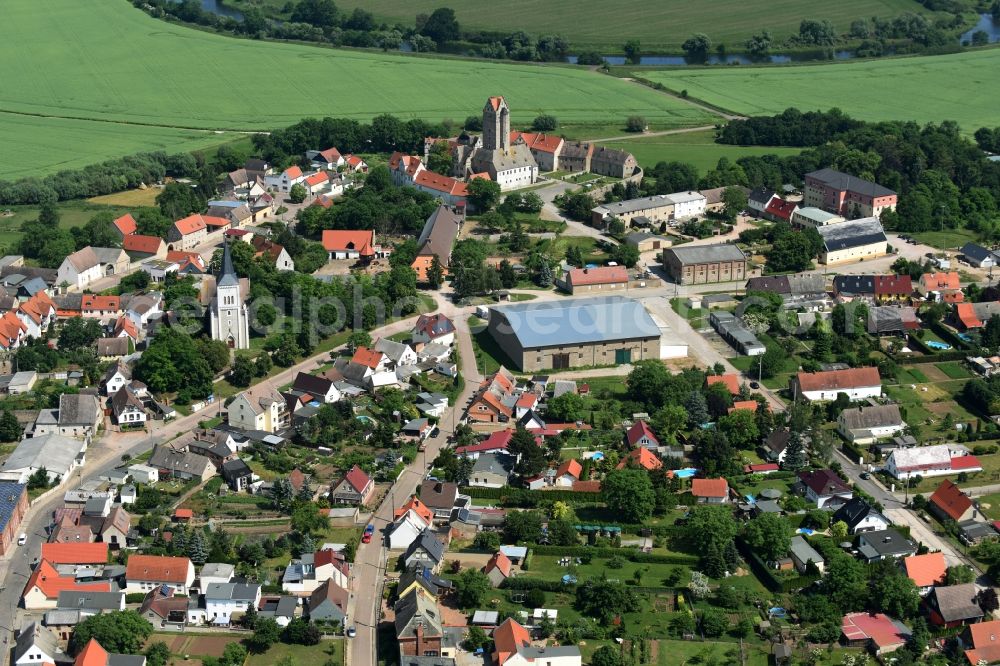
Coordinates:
<point>948,502</point>
<point>148,572</point>
<point>731,382</point>
<point>93,654</point>
<point>710,491</point>
<point>602,278</point>
<point>139,247</point>
<point>641,457</point>
<point>341,244</point>
<point>125,225</point>
<point>545,148</point>
<point>449,190</point>
<point>44,585</point>
<point>513,647</point>
<point>75,553</point>
<point>187,233</point>
<point>944,287</point>
<point>981,642</point>
<point>494,400</point>
<point>926,570</point>
<point>856,383</point>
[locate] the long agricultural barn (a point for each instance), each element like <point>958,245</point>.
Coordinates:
<point>609,330</point>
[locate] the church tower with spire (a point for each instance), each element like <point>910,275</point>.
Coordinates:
<point>228,312</point>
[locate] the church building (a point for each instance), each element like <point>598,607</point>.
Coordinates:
<point>228,310</point>
<point>510,165</point>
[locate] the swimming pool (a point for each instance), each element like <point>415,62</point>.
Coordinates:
<point>805,530</point>
<point>685,473</point>
<point>964,337</point>
<point>934,344</point>
<point>364,418</point>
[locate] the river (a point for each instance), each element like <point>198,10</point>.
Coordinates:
<point>988,25</point>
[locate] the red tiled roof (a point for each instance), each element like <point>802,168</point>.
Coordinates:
<point>637,431</point>
<point>50,583</point>
<point>731,381</point>
<point>96,303</point>
<point>939,281</point>
<point>781,209</point>
<point>330,556</point>
<point>126,224</point>
<point>571,467</point>
<point>92,655</point>
<point>586,486</point>
<point>292,172</point>
<point>367,357</point>
<point>11,329</point>
<point>510,635</point>
<point>331,154</point>
<point>950,499</point>
<point>926,570</point>
<point>492,400</point>
<point>965,462</point>
<point>759,468</point>
<point>839,379</point>
<point>354,160</point>
<point>439,183</point>
<point>750,405</point>
<point>641,457</point>
<point>966,314</point>
<point>212,221</point>
<point>317,178</point>
<point>541,142</point>
<point>418,507</point>
<point>143,244</point>
<point>338,239</point>
<point>183,513</point>
<point>127,326</point>
<point>527,401</point>
<point>580,277</point>
<point>157,568</point>
<point>878,627</point>
<point>709,487</point>
<point>497,440</point>
<point>499,561</point>
<point>322,200</point>
<point>495,102</point>
<point>75,553</point>
<point>190,224</point>
<point>893,285</point>
<point>985,642</point>
<point>357,479</point>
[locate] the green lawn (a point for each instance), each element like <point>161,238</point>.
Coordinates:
<point>957,87</point>
<point>990,505</point>
<point>71,214</point>
<point>605,26</point>
<point>697,148</point>
<point>326,651</point>
<point>910,375</point>
<point>109,61</point>
<point>954,370</point>
<point>950,239</point>
<point>652,575</point>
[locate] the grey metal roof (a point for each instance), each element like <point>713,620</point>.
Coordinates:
<point>816,215</point>
<point>440,232</point>
<point>887,543</point>
<point>78,409</point>
<point>576,321</point>
<point>706,254</point>
<point>848,183</point>
<point>239,592</point>
<point>957,602</point>
<point>855,233</point>
<point>217,570</point>
<point>429,543</point>
<point>35,634</point>
<point>126,660</point>
<point>53,452</point>
<point>81,600</point>
<point>490,463</point>
<point>283,606</point>
<point>803,552</point>
<point>977,252</point>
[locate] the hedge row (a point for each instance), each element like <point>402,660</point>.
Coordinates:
<point>949,336</point>
<point>854,452</point>
<point>630,554</point>
<point>530,498</point>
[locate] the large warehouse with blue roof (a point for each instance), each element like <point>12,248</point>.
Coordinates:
<point>579,332</point>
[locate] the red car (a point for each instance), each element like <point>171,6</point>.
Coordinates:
<point>367,536</point>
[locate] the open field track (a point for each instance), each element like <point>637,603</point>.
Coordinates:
<point>605,26</point>
<point>962,87</point>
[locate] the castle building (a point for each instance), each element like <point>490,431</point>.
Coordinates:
<point>510,165</point>
<point>228,311</point>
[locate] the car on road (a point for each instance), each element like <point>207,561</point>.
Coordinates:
<point>865,475</point>
<point>352,632</point>
<point>23,539</point>
<point>367,536</point>
<point>754,385</point>
<point>435,432</point>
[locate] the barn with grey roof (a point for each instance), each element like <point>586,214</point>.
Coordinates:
<point>609,330</point>
<point>701,264</point>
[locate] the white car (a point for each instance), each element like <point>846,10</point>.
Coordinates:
<point>352,632</point>
<point>23,539</point>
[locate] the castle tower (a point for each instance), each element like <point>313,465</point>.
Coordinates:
<point>229,319</point>
<point>496,125</point>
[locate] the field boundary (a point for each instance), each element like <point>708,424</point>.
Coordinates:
<point>209,130</point>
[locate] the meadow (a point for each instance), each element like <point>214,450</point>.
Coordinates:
<point>108,61</point>
<point>960,87</point>
<point>697,148</point>
<point>660,26</point>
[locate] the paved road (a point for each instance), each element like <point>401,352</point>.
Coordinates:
<point>104,455</point>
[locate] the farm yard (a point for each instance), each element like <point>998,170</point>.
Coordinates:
<point>660,26</point>
<point>955,87</point>
<point>111,62</point>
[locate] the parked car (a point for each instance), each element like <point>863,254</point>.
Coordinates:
<point>23,539</point>
<point>352,632</point>
<point>865,475</point>
<point>367,536</point>
<point>754,385</point>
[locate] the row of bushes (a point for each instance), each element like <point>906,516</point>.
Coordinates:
<point>854,452</point>
<point>522,497</point>
<point>631,554</point>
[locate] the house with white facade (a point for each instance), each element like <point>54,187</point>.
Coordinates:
<point>304,575</point>
<point>936,460</point>
<point>85,266</point>
<point>225,602</point>
<point>149,572</point>
<point>258,408</point>
<point>866,424</point>
<point>284,181</point>
<point>855,383</point>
